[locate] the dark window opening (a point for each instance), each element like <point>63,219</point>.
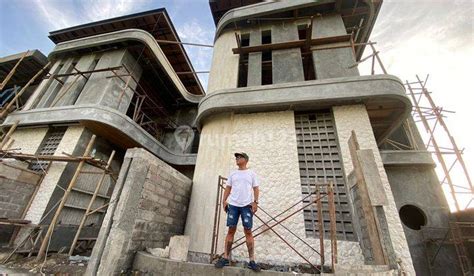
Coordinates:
<point>308,66</point>
<point>412,216</point>
<point>267,72</point>
<point>267,37</point>
<point>243,62</point>
<point>302,31</point>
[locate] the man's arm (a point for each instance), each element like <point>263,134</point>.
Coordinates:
<point>226,195</point>
<point>256,192</point>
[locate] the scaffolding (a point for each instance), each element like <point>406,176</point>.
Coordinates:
<point>41,234</point>
<point>454,175</point>
<point>321,191</point>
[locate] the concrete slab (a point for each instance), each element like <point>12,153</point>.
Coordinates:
<point>178,248</point>
<point>152,265</point>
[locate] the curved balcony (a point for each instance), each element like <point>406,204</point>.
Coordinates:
<point>107,122</point>
<point>384,96</point>
<point>124,37</point>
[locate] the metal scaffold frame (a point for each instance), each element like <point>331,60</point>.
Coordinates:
<point>455,174</point>
<point>321,191</point>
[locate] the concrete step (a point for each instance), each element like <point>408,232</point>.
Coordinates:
<point>361,270</point>
<point>152,265</point>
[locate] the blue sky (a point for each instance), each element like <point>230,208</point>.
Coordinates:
<point>413,36</point>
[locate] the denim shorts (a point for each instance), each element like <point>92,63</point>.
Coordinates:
<point>233,213</point>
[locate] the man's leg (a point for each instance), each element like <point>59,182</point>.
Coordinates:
<point>250,243</point>
<point>229,240</point>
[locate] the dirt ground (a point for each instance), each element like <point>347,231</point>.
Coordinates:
<point>57,264</point>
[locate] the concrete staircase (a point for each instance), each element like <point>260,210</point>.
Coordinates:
<point>148,264</point>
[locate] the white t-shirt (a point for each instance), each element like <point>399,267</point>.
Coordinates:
<point>242,183</point>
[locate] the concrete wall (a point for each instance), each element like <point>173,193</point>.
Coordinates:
<point>332,63</point>
<point>419,186</point>
<point>270,141</point>
<point>355,117</point>
<point>106,91</point>
<point>48,185</point>
<point>148,206</point>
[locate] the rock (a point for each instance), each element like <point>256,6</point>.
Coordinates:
<point>159,252</point>
<point>179,246</point>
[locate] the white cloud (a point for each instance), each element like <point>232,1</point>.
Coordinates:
<point>436,38</point>
<point>59,14</point>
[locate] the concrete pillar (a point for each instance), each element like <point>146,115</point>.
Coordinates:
<point>355,117</point>
<point>37,94</point>
<point>104,89</point>
<point>287,65</point>
<point>255,59</point>
<point>225,64</point>
<point>68,94</point>
<point>45,99</point>
<point>213,160</point>
<point>332,63</point>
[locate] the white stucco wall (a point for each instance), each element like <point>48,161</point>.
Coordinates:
<point>27,140</point>
<point>47,186</point>
<point>270,141</point>
<point>355,117</point>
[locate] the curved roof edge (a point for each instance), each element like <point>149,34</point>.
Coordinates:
<point>122,36</point>
<point>104,116</point>
<point>263,8</point>
<point>374,90</point>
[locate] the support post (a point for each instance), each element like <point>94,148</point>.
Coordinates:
<point>332,216</point>
<point>319,205</point>
<point>44,244</point>
<point>9,105</point>
<point>89,206</point>
<point>9,133</point>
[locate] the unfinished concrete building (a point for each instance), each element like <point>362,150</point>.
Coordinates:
<point>283,87</point>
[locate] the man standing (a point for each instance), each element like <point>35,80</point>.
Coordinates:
<point>240,200</point>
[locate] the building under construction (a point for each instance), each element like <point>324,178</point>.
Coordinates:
<point>111,146</point>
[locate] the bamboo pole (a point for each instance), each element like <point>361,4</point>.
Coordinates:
<point>7,108</point>
<point>9,133</point>
<point>89,206</point>
<point>44,244</point>
<point>12,72</point>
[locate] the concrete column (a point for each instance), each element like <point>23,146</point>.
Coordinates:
<point>287,65</point>
<point>255,59</point>
<point>213,159</point>
<point>55,86</point>
<point>36,96</point>
<point>68,94</point>
<point>355,117</point>
<point>104,89</point>
<point>225,64</point>
<point>332,63</point>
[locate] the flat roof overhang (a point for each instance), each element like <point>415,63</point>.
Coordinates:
<point>155,22</point>
<point>106,122</point>
<point>247,13</point>
<point>383,95</point>
<point>33,61</point>
<point>126,38</point>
